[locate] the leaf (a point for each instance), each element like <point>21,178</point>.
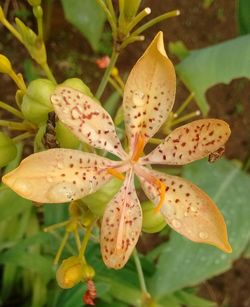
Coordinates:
<point>216,64</point>
<point>243,14</point>
<point>183,263</point>
<point>87,17</point>
<point>11,204</point>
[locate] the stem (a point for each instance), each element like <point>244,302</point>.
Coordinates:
<point>155,20</point>
<point>61,247</point>
<point>140,273</point>
<point>77,239</point>
<point>106,75</point>
<point>13,31</point>
<point>14,125</point>
<point>119,81</point>
<point>184,104</point>
<point>131,39</point>
<point>48,72</point>
<point>155,141</point>
<point>55,226</point>
<point>10,109</point>
<point>110,19</point>
<point>116,86</point>
<point>19,82</point>
<point>86,240</point>
<point>40,27</point>
<point>185,117</point>
<point>138,18</point>
<point>22,137</point>
<point>111,9</point>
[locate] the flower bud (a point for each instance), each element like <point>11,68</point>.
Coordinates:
<point>8,149</point>
<point>97,201</point>
<point>131,8</point>
<point>34,2</point>
<point>88,273</point>
<point>152,221</point>
<point>36,102</point>
<point>5,65</point>
<point>70,272</point>
<point>79,85</point>
<point>65,137</point>
<point>38,11</point>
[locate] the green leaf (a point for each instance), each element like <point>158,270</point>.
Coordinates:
<point>87,17</point>
<point>11,204</point>
<point>243,14</point>
<point>184,263</point>
<point>217,64</point>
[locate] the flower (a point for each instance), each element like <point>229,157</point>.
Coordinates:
<point>61,175</point>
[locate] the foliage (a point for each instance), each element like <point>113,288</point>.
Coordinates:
<point>243,16</point>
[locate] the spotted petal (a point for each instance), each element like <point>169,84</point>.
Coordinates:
<point>121,226</point>
<point>190,142</point>
<point>188,210</point>
<point>86,119</point>
<point>59,175</point>
<point>149,92</point>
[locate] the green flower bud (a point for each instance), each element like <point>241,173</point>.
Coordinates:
<point>70,272</point>
<point>131,8</point>
<point>65,137</point>
<point>79,85</point>
<point>34,2</point>
<point>36,102</point>
<point>5,65</point>
<point>97,201</point>
<point>8,149</point>
<point>38,11</point>
<point>152,221</point>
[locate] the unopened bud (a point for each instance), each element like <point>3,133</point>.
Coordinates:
<point>8,149</point>
<point>88,273</point>
<point>70,272</point>
<point>34,2</point>
<point>5,65</point>
<point>152,221</point>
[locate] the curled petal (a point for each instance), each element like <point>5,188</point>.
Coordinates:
<point>86,119</point>
<point>190,142</point>
<point>187,209</point>
<point>121,225</point>
<point>149,92</point>
<point>58,175</point>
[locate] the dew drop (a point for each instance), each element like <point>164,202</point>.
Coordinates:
<point>49,179</point>
<point>65,110</point>
<point>176,223</point>
<point>203,235</point>
<point>60,165</point>
<point>61,192</point>
<point>186,214</point>
<point>139,98</point>
<point>193,209</point>
<point>75,113</point>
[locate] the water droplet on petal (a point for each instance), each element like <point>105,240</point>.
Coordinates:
<point>203,235</point>
<point>61,192</point>
<point>60,165</point>
<point>49,179</point>
<point>139,98</point>
<point>193,209</point>
<point>186,213</point>
<point>65,111</point>
<point>176,223</point>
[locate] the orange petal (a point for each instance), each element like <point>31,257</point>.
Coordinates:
<point>59,175</point>
<point>188,210</point>
<point>190,142</point>
<point>86,119</point>
<point>121,226</point>
<point>149,92</point>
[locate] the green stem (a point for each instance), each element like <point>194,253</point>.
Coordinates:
<point>111,9</point>
<point>138,18</point>
<point>48,72</point>
<point>14,125</point>
<point>184,104</point>
<point>185,117</point>
<point>19,81</point>
<point>116,86</point>
<point>55,226</point>
<point>110,19</point>
<point>13,31</point>
<point>61,247</point>
<point>155,20</point>
<point>155,141</point>
<point>140,272</point>
<point>77,239</point>
<point>132,39</point>
<point>10,109</point>
<point>106,75</point>
<point>85,240</point>
<point>22,137</point>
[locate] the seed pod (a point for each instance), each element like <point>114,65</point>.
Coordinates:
<point>36,102</point>
<point>79,85</point>
<point>65,137</point>
<point>152,221</point>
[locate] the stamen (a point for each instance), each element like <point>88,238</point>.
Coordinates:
<point>140,143</point>
<point>162,189</point>
<point>115,173</point>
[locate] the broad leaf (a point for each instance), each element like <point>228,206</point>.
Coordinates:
<point>217,64</point>
<point>243,16</point>
<point>183,263</point>
<point>87,17</point>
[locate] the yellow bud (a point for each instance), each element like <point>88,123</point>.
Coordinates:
<point>88,273</point>
<point>114,72</point>
<point>70,272</point>
<point>5,65</point>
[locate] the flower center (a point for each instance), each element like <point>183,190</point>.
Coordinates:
<point>140,144</point>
